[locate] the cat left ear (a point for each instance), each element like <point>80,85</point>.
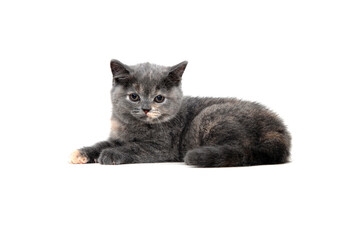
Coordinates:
<point>178,69</point>
<point>175,74</point>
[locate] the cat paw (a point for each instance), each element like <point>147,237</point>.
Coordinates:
<point>203,157</point>
<point>109,157</point>
<point>78,158</point>
<point>193,157</point>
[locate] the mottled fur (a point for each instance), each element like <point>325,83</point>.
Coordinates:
<point>204,132</point>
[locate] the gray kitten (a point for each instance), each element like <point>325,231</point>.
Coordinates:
<point>152,122</point>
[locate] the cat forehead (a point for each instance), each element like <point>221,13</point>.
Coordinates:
<point>147,72</point>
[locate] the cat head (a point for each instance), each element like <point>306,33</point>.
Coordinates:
<point>146,92</point>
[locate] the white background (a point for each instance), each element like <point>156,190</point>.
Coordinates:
<point>300,58</point>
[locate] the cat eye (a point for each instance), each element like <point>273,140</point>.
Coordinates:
<point>134,97</point>
<point>159,99</point>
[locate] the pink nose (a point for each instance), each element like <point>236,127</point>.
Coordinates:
<point>146,110</point>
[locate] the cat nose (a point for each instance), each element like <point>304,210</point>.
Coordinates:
<point>146,110</point>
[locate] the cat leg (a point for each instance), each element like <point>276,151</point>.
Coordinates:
<point>241,138</point>
<point>118,155</point>
<point>137,152</point>
<point>272,150</point>
<point>89,154</point>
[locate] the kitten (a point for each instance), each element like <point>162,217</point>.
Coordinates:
<point>152,122</point>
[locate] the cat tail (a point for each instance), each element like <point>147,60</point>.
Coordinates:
<point>230,156</point>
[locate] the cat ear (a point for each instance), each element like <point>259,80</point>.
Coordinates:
<point>175,74</point>
<point>178,69</point>
<point>118,68</point>
<point>120,71</point>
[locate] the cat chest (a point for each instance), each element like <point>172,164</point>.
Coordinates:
<point>167,136</point>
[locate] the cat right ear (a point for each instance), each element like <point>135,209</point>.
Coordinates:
<point>120,72</point>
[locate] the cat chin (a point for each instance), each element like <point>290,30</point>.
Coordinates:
<point>154,120</point>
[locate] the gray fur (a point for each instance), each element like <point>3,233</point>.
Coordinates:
<point>204,132</point>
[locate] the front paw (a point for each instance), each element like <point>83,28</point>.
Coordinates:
<point>110,157</point>
<point>78,157</point>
